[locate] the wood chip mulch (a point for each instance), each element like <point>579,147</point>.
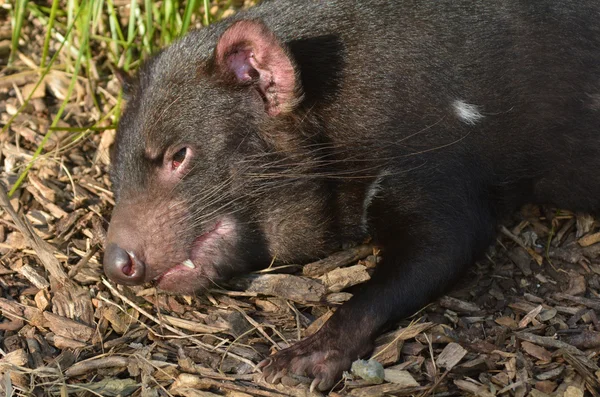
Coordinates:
<point>524,322</point>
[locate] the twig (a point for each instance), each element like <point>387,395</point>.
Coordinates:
<point>206,346</point>
<point>537,257</point>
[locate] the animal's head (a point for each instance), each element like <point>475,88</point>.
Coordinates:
<point>211,163</point>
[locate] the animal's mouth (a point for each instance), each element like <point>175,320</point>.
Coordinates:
<point>194,272</point>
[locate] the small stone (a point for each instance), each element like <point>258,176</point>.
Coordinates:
<point>371,371</point>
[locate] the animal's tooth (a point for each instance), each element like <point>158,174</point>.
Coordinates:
<point>189,263</point>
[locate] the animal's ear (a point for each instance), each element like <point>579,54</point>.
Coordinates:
<point>249,53</point>
<point>126,81</point>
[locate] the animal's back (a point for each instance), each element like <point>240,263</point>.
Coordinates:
<point>512,87</point>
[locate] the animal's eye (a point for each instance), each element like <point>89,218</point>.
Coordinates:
<point>178,158</point>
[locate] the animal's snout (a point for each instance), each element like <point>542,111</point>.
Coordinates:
<point>122,266</point>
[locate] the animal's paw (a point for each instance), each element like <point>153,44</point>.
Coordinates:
<point>321,356</point>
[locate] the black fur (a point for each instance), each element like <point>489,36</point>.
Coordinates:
<point>380,89</point>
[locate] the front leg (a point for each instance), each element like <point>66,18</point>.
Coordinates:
<point>423,252</point>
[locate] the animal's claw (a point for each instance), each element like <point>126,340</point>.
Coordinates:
<point>320,356</point>
<point>314,384</point>
<point>264,363</point>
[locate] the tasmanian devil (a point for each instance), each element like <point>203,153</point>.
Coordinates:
<point>301,125</point>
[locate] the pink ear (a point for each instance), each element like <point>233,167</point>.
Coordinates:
<point>252,53</point>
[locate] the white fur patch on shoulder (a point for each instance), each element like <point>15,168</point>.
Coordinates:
<point>469,114</point>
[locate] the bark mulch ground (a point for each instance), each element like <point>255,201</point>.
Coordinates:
<point>524,321</point>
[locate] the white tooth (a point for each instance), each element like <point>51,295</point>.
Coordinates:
<point>189,263</point>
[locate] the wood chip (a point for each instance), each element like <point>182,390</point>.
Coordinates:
<point>184,392</point>
<point>450,356</point>
<point>336,260</point>
<point>342,278</point>
<point>89,366</point>
<point>9,365</point>
<point>507,322</point>
<point>589,239</point>
<point>194,382</point>
<point>548,314</point>
<point>473,388</point>
<point>536,351</point>
<point>287,286</point>
<point>585,223</point>
<point>384,390</point>
<point>317,324</point>
<point>63,343</point>
<point>551,374</point>
<point>399,377</point>
<point>548,341</point>
<point>584,340</point>
<point>68,328</point>
<point>107,387</point>
<point>537,393</point>
<point>42,300</point>
<point>546,386</point>
<point>388,346</point>
<point>31,275</point>
<point>573,391</point>
<point>30,89</point>
<point>457,305</point>
<point>338,297</point>
<point>17,358</point>
<point>529,317</point>
<point>577,285</point>
<point>522,259</point>
<point>119,321</point>
<point>193,326</point>
<point>591,303</point>
<point>537,257</point>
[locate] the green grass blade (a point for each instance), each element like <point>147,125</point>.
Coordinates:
<point>51,20</point>
<point>130,33</point>
<point>18,17</point>
<point>206,12</point>
<point>149,34</point>
<point>78,61</point>
<point>166,22</point>
<point>40,80</point>
<point>117,39</point>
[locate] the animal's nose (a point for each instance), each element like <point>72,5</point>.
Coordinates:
<point>123,267</point>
